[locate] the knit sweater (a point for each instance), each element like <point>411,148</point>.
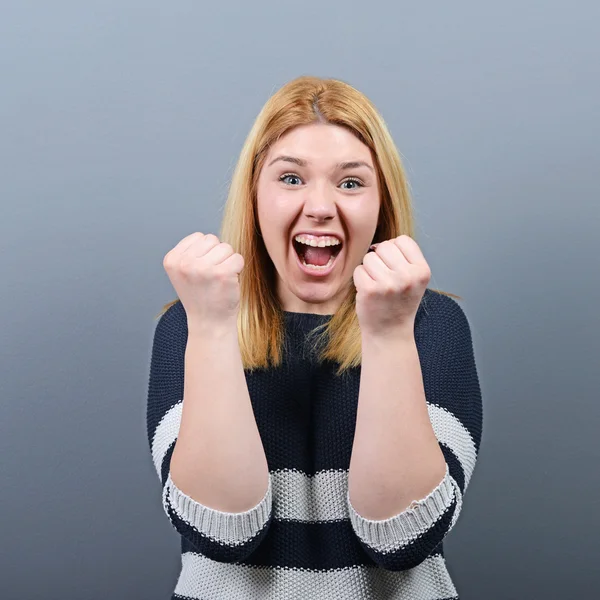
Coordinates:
<point>304,540</point>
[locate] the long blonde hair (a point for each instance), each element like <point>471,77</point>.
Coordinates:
<point>303,101</point>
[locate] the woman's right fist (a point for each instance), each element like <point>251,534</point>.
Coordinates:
<point>204,273</point>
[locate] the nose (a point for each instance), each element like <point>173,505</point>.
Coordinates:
<point>320,205</point>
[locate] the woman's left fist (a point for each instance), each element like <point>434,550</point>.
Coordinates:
<point>390,283</point>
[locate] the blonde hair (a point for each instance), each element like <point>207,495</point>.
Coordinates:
<point>303,101</point>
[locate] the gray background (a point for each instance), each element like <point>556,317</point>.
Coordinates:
<point>120,125</point>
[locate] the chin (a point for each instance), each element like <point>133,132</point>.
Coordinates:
<point>316,293</point>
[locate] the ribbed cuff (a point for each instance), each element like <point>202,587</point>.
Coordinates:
<point>229,528</point>
<point>395,532</point>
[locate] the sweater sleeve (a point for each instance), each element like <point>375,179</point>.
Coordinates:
<point>221,536</point>
<point>454,404</point>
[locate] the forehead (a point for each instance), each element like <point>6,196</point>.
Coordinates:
<point>321,143</point>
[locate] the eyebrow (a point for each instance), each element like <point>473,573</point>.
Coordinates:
<point>354,164</point>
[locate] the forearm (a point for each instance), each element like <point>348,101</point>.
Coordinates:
<point>396,458</point>
<point>219,459</point>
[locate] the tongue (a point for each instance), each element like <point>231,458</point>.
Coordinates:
<point>317,256</point>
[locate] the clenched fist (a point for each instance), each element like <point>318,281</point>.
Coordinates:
<point>389,286</point>
<point>204,273</point>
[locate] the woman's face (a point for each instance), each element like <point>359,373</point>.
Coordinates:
<point>305,187</point>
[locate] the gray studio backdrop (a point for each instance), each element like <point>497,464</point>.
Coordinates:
<point>120,126</point>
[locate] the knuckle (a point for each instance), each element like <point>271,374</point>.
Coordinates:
<point>169,260</point>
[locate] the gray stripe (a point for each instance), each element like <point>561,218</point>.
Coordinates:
<point>390,534</point>
<point>223,527</point>
<point>452,433</point>
<point>205,579</point>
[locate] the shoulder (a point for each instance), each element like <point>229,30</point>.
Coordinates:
<point>439,307</point>
<point>171,329</point>
<point>441,320</point>
<point>173,315</point>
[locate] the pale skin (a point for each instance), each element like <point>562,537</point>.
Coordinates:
<point>396,458</point>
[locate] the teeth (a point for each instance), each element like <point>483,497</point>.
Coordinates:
<point>320,243</point>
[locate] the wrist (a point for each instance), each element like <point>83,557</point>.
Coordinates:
<point>212,330</point>
<point>395,336</point>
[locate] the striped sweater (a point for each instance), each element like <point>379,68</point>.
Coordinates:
<point>304,540</point>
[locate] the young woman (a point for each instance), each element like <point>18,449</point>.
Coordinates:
<point>314,409</point>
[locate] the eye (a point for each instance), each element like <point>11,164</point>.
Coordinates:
<point>286,175</point>
<point>353,180</point>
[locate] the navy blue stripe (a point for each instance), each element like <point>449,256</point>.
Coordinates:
<point>332,545</point>
<point>166,464</point>
<point>454,466</point>
<point>167,363</point>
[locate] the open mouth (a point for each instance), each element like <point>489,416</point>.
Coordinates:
<point>315,258</point>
